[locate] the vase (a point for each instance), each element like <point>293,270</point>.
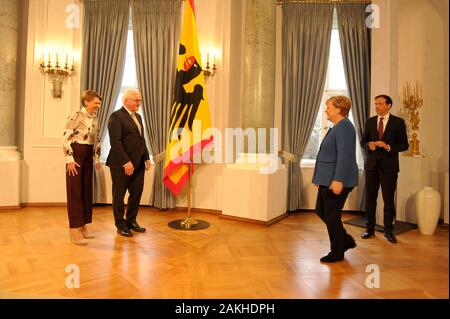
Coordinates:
<point>428,209</point>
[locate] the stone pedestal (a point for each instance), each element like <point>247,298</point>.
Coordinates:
<point>252,191</point>
<point>446,190</point>
<point>10,173</point>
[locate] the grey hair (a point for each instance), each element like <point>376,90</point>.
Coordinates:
<point>128,93</point>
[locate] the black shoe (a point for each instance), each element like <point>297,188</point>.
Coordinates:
<point>135,226</point>
<point>368,233</point>
<point>390,236</point>
<point>349,243</point>
<point>330,258</point>
<point>124,231</point>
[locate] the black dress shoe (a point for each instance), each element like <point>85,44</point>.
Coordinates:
<point>391,237</point>
<point>368,233</point>
<point>124,231</point>
<point>330,258</point>
<point>135,226</point>
<point>349,243</point>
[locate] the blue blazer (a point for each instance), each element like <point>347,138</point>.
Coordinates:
<point>336,160</point>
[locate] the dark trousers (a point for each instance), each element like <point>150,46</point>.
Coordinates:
<point>120,184</point>
<point>329,207</point>
<point>388,184</point>
<point>79,187</point>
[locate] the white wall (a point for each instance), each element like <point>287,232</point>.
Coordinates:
<point>44,117</point>
<point>423,56</point>
<point>412,45</point>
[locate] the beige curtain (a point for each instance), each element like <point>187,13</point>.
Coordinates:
<point>105,28</point>
<point>305,50</point>
<point>156,26</point>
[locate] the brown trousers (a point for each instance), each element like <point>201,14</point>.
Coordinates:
<point>79,187</point>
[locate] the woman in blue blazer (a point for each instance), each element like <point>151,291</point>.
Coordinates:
<point>335,175</point>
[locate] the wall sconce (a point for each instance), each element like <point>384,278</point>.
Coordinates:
<point>209,71</point>
<point>56,73</point>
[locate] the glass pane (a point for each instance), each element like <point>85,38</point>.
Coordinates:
<point>335,47</point>
<point>129,73</point>
<point>313,144</point>
<point>130,43</point>
<point>336,75</point>
<point>335,85</point>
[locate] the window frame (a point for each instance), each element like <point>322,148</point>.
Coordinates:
<point>105,143</point>
<point>324,123</point>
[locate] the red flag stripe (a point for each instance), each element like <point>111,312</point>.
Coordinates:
<point>192,5</point>
<point>176,188</point>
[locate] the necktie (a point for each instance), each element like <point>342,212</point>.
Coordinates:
<point>380,128</point>
<point>133,116</point>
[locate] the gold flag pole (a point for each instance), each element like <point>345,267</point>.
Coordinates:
<point>188,222</point>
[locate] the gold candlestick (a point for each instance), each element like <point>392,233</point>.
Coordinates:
<point>412,101</point>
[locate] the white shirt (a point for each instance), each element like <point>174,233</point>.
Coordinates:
<point>81,128</point>
<point>133,116</point>
<point>89,119</point>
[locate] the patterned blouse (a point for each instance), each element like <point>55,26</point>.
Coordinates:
<point>81,128</point>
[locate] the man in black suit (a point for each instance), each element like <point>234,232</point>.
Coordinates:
<point>128,159</point>
<point>384,137</point>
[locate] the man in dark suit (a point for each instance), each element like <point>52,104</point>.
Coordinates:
<point>384,137</point>
<point>128,159</point>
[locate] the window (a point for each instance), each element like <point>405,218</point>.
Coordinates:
<point>129,81</point>
<point>335,84</point>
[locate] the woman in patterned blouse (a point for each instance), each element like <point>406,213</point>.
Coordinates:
<point>81,145</point>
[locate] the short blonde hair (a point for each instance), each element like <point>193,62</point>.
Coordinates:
<point>341,102</point>
<point>129,93</point>
<point>89,95</point>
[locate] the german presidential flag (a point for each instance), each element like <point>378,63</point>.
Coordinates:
<point>190,122</point>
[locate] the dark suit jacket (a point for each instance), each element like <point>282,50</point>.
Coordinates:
<point>336,160</point>
<point>394,135</point>
<point>126,142</point>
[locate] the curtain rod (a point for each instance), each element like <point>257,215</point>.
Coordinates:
<point>281,2</point>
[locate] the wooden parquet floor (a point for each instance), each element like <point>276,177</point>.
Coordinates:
<point>230,259</point>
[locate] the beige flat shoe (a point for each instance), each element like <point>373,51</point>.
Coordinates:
<point>86,234</point>
<point>78,242</point>
<point>76,237</point>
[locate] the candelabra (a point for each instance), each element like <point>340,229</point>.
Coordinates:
<point>412,101</point>
<point>55,73</point>
<point>209,72</point>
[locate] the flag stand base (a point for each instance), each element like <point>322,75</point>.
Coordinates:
<point>188,224</point>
